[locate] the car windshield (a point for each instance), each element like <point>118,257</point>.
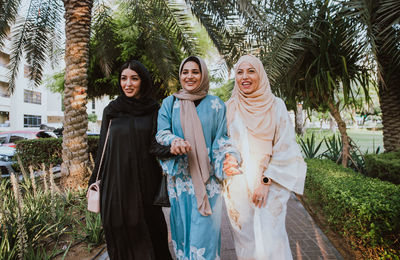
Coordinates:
<point>3,138</point>
<point>43,135</point>
<point>6,153</point>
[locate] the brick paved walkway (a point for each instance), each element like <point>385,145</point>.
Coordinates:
<point>306,239</point>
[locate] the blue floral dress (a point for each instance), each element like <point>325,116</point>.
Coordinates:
<point>195,237</point>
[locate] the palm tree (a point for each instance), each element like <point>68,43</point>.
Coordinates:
<point>326,72</point>
<point>310,52</point>
<point>75,146</point>
<point>129,33</point>
<point>37,36</point>
<point>380,21</point>
<point>262,21</point>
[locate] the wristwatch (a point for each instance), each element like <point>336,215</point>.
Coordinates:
<point>266,181</point>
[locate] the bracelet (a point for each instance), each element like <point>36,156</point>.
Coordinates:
<point>176,140</point>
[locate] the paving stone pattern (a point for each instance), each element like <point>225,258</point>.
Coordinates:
<point>307,241</point>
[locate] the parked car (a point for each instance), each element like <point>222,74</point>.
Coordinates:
<point>10,137</point>
<point>6,160</point>
<point>92,134</point>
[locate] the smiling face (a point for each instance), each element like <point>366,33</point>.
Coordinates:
<point>130,83</point>
<point>247,78</point>
<point>190,76</point>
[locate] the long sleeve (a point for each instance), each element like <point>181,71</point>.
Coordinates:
<point>164,134</point>
<point>156,149</point>
<point>221,145</point>
<point>287,166</point>
<point>103,132</point>
<point>173,165</point>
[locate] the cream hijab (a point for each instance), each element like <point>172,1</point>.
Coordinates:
<point>199,164</point>
<point>255,109</point>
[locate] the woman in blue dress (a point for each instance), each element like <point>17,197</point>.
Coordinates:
<point>194,124</point>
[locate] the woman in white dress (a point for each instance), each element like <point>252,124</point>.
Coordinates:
<point>260,127</point>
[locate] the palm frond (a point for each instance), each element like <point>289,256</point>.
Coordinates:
<point>220,21</point>
<point>20,37</point>
<point>380,20</point>
<point>8,13</point>
<point>32,35</point>
<point>164,37</point>
<point>103,39</point>
<point>175,17</point>
<point>389,12</point>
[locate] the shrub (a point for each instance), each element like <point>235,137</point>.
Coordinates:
<point>384,166</point>
<point>366,211</point>
<point>37,151</point>
<point>310,147</point>
<point>47,150</point>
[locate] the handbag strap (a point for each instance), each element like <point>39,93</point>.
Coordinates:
<point>104,148</point>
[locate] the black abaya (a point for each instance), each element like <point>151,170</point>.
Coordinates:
<point>130,176</point>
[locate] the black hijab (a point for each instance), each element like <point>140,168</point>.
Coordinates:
<point>143,105</point>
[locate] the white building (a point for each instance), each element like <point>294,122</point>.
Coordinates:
<point>29,107</point>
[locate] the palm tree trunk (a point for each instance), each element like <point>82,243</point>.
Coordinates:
<point>75,145</point>
<point>298,118</point>
<point>388,81</point>
<point>334,110</point>
<point>389,98</point>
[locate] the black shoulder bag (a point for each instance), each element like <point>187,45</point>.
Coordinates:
<point>161,198</point>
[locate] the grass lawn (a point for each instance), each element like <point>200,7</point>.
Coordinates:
<point>366,140</point>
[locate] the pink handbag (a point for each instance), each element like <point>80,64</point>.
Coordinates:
<point>93,197</point>
<point>93,193</point>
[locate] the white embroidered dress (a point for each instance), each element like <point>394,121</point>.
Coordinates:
<point>261,233</point>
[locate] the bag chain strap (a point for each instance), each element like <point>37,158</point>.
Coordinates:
<point>102,154</point>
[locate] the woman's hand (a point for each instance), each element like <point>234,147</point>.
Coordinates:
<point>231,166</point>
<point>260,195</point>
<point>180,146</point>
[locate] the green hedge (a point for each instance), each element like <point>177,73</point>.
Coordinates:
<point>385,166</point>
<point>47,150</point>
<point>366,211</point>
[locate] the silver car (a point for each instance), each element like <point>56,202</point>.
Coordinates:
<point>6,160</point>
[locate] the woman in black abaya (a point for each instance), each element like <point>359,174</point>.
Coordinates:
<point>130,173</point>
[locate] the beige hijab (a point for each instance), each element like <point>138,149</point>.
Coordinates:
<point>256,110</point>
<point>199,164</point>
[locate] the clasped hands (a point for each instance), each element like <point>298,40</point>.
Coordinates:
<point>180,146</point>
<point>231,166</point>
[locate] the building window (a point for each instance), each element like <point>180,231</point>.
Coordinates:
<point>4,119</point>
<point>33,97</point>
<point>32,121</point>
<point>4,90</point>
<point>26,71</point>
<point>4,59</point>
<point>93,104</point>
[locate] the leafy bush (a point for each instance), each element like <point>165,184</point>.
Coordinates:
<point>366,211</point>
<point>384,166</point>
<point>37,151</point>
<point>47,150</point>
